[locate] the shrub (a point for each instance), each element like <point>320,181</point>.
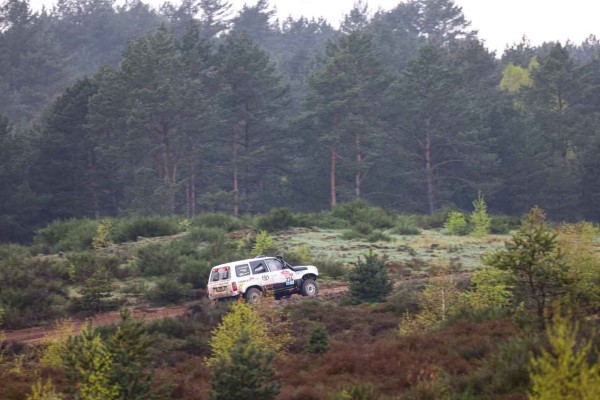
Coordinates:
<point>246,374</point>
<point>406,225</point>
<point>217,220</point>
<point>563,371</point>
<point>264,244</point>
<point>276,220</point>
<point>507,370</point>
<point>435,220</point>
<point>491,292</point>
<point>129,229</point>
<point>351,234</point>
<point>194,271</point>
<point>32,289</point>
<point>503,224</point>
<point>156,259</point>
<point>360,211</point>
<point>95,293</point>
<point>437,303</point>
<point>356,393</point>
<point>102,238</point>
<point>369,280</point>
<point>532,258</point>
<point>205,234</point>
<point>378,236</point>
<point>318,341</point>
<point>330,267</point>
<point>480,220</point>
<point>244,318</point>
<point>456,224</point>
<point>67,235</point>
<point>169,291</point>
<point>83,265</point>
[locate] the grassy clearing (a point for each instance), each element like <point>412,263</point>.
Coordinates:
<point>430,246</point>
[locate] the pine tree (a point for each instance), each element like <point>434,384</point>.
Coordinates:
<point>480,220</point>
<point>246,374</point>
<point>563,372</point>
<point>369,280</point>
<point>129,347</point>
<point>345,101</point>
<point>536,262</point>
<point>241,318</point>
<point>252,97</point>
<point>88,367</point>
<point>318,341</point>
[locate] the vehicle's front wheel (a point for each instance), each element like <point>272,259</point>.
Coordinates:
<point>309,288</point>
<point>253,296</point>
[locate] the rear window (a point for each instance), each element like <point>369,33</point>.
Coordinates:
<point>220,274</point>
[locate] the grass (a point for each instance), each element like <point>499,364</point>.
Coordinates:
<point>430,245</point>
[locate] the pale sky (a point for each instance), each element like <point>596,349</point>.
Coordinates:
<point>499,22</point>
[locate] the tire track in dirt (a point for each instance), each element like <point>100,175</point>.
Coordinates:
<point>38,334</point>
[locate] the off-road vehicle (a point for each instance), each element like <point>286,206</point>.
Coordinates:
<point>254,277</point>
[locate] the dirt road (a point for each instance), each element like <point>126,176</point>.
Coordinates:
<point>36,335</point>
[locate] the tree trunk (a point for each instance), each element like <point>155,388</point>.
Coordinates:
<point>190,190</point>
<point>235,171</point>
<point>429,170</point>
<point>169,171</point>
<point>94,184</point>
<point>357,174</point>
<point>332,176</point>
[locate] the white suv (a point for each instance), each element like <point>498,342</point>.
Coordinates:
<point>253,277</point>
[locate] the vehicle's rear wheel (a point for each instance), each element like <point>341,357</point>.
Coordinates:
<point>309,288</point>
<point>253,296</point>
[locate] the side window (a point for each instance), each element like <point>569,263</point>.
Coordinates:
<point>275,265</point>
<point>258,267</point>
<point>242,270</point>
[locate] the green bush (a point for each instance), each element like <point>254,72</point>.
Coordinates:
<point>352,234</point>
<point>456,224</point>
<point>156,259</point>
<point>330,267</point>
<point>169,291</point>
<point>504,224</point>
<point>378,236</point>
<point>369,280</point>
<point>84,264</point>
<point>205,234</point>
<point>277,219</point>
<point>95,293</point>
<point>508,370</point>
<point>194,271</point>
<point>67,235</point>
<point>217,220</point>
<point>32,290</point>
<point>480,219</point>
<point>406,225</point>
<point>360,211</point>
<point>318,341</point>
<point>435,220</point>
<point>129,229</point>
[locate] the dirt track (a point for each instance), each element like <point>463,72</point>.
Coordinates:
<point>36,335</point>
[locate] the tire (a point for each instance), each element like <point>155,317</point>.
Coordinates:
<point>309,288</point>
<point>253,296</point>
